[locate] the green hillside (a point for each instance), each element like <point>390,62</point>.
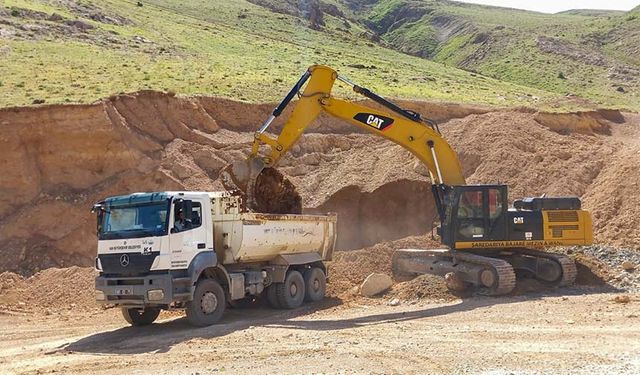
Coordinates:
<point>592,54</point>
<point>61,51</point>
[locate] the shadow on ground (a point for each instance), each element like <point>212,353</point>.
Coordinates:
<point>162,336</point>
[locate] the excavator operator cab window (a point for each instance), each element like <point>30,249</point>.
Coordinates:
<point>480,213</point>
<point>470,215</point>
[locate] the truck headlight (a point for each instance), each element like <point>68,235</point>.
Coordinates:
<point>100,295</point>
<point>155,294</point>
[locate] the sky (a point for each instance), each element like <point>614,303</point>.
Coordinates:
<point>554,6</point>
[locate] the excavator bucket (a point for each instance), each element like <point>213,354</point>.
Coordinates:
<point>241,175</point>
<point>265,189</point>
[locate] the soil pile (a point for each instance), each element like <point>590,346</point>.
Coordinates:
<point>513,148</point>
<point>422,287</point>
<point>48,291</point>
<point>348,269</point>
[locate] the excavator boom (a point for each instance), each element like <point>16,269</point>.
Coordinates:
<point>421,138</point>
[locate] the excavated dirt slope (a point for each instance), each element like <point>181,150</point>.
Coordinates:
<point>58,160</point>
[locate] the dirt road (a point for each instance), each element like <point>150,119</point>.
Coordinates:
<point>572,331</point>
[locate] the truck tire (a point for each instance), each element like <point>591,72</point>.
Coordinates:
<point>207,305</point>
<point>291,292</point>
<point>140,317</point>
<point>272,296</point>
<point>316,284</point>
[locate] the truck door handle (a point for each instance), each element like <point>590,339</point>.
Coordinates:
<point>201,246</point>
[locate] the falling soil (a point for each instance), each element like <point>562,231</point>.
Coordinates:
<point>275,194</point>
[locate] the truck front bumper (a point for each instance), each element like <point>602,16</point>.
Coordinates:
<point>149,290</point>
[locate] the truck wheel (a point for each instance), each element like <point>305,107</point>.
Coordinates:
<point>316,284</point>
<point>140,317</point>
<point>207,305</point>
<point>272,296</point>
<point>291,292</point>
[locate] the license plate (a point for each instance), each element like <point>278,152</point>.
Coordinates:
<point>124,291</point>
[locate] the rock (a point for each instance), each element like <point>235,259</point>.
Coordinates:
<point>55,17</point>
<point>375,283</point>
<point>454,282</point>
<point>628,266</point>
<point>394,302</point>
<point>80,25</point>
<point>622,299</point>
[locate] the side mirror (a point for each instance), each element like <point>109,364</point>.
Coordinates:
<point>98,209</point>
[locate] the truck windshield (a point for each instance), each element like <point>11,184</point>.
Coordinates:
<point>131,221</point>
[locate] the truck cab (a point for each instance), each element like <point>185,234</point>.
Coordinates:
<point>200,251</point>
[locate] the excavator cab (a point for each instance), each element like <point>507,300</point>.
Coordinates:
<point>475,213</point>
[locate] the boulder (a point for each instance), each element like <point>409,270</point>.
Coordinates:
<point>375,283</point>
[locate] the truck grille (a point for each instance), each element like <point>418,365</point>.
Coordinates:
<point>138,264</point>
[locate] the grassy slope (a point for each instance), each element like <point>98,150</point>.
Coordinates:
<point>501,43</point>
<point>230,48</point>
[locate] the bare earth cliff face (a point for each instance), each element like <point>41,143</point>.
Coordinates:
<point>56,161</point>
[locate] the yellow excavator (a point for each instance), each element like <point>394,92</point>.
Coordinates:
<point>486,242</point>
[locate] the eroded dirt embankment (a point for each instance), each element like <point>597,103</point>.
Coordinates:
<point>58,160</point>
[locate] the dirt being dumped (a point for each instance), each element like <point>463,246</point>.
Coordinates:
<point>275,194</point>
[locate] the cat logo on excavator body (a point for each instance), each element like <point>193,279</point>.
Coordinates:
<point>374,120</point>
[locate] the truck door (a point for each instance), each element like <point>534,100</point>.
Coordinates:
<point>188,234</point>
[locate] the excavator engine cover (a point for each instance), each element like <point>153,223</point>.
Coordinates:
<point>540,204</point>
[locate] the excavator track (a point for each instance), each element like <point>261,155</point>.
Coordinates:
<point>506,276</point>
<point>490,276</point>
<point>568,266</point>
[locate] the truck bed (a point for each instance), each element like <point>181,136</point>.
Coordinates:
<point>258,237</point>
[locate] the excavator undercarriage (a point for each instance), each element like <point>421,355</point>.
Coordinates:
<point>493,274</point>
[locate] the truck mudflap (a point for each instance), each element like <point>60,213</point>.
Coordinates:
<point>149,290</point>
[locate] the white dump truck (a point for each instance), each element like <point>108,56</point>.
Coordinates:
<point>200,251</point>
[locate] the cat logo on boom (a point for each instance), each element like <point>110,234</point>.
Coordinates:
<point>374,120</point>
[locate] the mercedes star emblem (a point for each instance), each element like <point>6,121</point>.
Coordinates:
<point>124,260</point>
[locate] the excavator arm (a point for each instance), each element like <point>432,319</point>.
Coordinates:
<point>401,126</point>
